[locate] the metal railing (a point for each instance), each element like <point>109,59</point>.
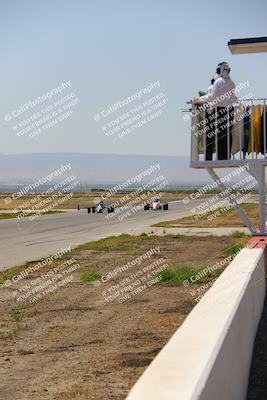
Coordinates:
<point>229,136</point>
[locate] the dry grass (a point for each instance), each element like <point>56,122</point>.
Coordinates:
<point>218,218</point>
<point>8,215</point>
<point>72,344</point>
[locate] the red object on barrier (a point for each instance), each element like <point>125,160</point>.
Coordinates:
<point>259,242</point>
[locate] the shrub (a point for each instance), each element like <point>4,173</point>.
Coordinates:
<point>90,276</point>
<point>234,249</point>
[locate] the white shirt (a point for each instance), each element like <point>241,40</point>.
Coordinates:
<point>209,89</point>
<point>221,94</point>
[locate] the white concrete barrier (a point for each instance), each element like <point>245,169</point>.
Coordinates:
<point>209,356</point>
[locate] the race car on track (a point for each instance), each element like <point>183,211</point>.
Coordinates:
<point>101,208</point>
<point>156,205</point>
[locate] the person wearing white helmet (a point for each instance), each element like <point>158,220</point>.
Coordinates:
<point>221,98</point>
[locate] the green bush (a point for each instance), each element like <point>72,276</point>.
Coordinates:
<point>179,275</point>
<point>90,276</point>
<point>16,310</point>
<point>234,249</point>
<point>176,275</point>
<point>239,234</point>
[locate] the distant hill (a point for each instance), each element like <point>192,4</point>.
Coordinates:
<point>95,169</point>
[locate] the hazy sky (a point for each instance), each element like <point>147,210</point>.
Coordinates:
<point>111,49</point>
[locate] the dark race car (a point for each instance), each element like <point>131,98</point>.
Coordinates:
<point>101,208</point>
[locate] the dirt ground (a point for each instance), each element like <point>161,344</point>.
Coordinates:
<point>74,345</point>
<point>215,219</point>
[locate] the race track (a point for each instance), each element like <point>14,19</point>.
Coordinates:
<point>24,240</point>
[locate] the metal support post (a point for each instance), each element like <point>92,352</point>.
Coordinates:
<point>243,215</point>
<point>258,172</point>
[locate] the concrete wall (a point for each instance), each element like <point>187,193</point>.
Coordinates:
<point>208,357</point>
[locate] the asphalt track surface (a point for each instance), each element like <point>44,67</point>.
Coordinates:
<point>25,240</point>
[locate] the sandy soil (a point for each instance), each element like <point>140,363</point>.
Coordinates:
<point>72,344</point>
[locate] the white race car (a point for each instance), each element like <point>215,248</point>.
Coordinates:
<point>156,205</point>
<point>101,208</point>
